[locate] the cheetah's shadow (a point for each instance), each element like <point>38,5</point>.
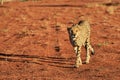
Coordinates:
<point>34,59</point>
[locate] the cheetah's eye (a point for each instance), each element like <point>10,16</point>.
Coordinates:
<point>76,30</point>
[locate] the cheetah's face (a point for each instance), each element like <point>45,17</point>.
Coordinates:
<point>75,30</point>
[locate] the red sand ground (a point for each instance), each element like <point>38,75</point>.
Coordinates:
<point>34,43</point>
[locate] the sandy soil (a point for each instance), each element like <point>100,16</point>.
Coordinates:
<point>34,43</point>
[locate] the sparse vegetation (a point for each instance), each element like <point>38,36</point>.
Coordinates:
<point>92,5</point>
<point>102,44</point>
<point>4,30</point>
<point>110,6</point>
<point>2,1</point>
<point>110,10</point>
<point>23,33</point>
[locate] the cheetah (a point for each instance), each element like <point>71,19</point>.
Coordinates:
<point>79,35</point>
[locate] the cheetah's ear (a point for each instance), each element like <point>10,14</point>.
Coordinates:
<point>68,28</point>
<point>80,22</point>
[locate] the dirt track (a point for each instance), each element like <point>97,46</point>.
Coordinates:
<point>34,43</point>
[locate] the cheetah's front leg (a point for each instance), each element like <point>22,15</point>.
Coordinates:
<point>88,51</point>
<point>78,59</point>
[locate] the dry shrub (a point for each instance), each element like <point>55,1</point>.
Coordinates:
<point>110,10</point>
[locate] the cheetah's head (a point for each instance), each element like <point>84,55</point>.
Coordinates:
<point>73,31</point>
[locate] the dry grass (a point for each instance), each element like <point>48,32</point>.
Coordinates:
<point>110,10</point>
<point>110,6</point>
<point>88,5</point>
<point>105,43</point>
<point>2,1</point>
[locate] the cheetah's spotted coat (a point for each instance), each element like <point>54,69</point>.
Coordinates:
<point>80,36</point>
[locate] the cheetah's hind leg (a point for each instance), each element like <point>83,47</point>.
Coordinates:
<point>92,50</point>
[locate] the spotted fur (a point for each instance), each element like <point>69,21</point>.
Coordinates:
<point>79,35</point>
